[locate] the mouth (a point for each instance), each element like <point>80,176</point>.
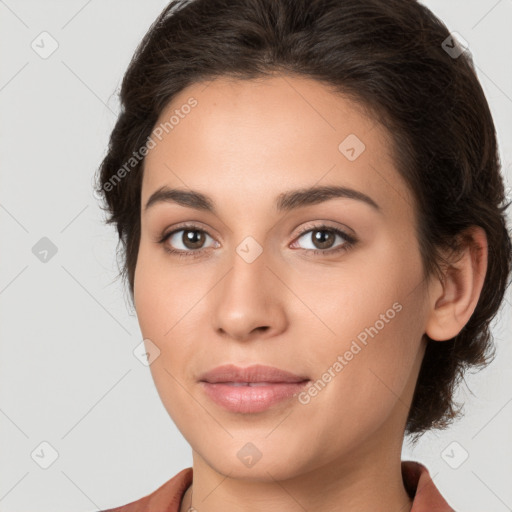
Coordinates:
<point>250,398</point>
<point>250,390</point>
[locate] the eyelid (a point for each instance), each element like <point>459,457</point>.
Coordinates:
<point>192,226</point>
<point>326,224</point>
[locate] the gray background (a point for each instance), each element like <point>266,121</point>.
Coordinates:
<point>68,375</point>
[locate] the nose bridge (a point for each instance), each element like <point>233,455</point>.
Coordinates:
<point>249,271</point>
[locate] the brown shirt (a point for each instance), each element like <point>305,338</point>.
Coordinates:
<point>416,478</point>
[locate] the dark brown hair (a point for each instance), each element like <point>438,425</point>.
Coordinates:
<point>393,58</point>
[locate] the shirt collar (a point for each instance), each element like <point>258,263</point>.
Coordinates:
<point>420,487</point>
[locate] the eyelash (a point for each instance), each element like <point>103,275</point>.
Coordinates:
<point>350,241</point>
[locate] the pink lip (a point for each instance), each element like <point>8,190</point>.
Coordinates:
<point>273,386</point>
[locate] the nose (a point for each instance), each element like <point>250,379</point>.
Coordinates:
<point>249,300</point>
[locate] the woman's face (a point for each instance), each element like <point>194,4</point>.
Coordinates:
<point>256,284</point>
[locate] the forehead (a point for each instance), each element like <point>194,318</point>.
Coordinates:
<point>255,138</point>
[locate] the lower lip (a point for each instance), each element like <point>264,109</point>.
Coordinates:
<point>250,399</point>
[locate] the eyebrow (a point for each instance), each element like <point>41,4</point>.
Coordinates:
<point>287,201</point>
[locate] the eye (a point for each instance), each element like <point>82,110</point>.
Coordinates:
<point>185,241</point>
<point>188,240</point>
<point>323,239</point>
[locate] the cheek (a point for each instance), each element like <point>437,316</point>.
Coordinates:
<point>164,302</point>
<point>359,386</point>
<point>372,332</point>
<point>162,294</point>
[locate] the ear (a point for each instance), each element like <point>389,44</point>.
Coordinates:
<point>453,300</point>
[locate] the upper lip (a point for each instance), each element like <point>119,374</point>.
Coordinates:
<point>254,373</point>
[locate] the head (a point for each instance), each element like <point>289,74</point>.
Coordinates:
<point>249,101</point>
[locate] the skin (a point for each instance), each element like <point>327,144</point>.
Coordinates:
<point>245,143</point>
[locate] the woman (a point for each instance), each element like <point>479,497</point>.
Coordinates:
<point>312,215</point>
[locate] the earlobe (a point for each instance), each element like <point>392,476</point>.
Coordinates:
<point>454,300</point>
